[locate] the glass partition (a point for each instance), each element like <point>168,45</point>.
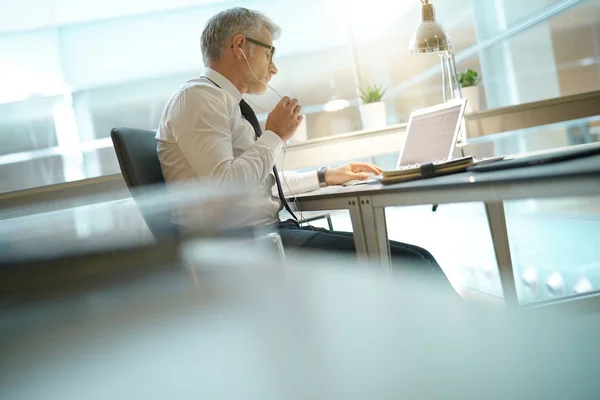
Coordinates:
<point>554,247</point>
<point>569,133</point>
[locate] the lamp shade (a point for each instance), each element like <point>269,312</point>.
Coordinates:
<point>430,36</point>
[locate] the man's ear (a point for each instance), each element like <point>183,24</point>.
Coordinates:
<point>237,44</point>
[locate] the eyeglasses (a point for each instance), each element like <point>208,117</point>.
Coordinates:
<point>266,46</point>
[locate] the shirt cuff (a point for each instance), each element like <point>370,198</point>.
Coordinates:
<point>273,141</point>
<point>308,181</point>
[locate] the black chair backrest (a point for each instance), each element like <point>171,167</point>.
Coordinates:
<point>136,152</point>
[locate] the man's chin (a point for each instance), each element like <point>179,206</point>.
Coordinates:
<point>258,90</point>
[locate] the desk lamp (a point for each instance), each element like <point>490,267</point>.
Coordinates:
<point>430,37</point>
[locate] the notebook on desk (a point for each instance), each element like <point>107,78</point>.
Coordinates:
<point>431,136</point>
<point>427,170</point>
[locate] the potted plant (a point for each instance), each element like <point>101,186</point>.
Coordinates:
<point>372,111</point>
<point>469,83</point>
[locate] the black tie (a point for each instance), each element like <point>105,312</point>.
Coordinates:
<point>248,113</point>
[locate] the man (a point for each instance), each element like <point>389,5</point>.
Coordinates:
<point>208,131</point>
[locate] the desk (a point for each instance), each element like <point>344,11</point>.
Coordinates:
<point>366,203</point>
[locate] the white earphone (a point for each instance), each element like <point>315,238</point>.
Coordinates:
<point>284,147</point>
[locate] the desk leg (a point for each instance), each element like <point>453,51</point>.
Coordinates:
<point>375,232</point>
<point>357,228</point>
<point>497,223</point>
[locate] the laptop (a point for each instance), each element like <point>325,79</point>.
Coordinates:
<point>431,136</point>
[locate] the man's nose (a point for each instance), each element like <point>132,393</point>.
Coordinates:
<point>273,69</point>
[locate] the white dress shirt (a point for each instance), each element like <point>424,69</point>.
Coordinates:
<point>203,135</point>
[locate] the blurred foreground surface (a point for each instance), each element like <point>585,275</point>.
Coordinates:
<point>107,313</point>
<point>236,322</point>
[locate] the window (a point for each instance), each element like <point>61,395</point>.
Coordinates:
<point>73,70</point>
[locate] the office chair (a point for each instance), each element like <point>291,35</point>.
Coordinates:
<point>140,166</point>
<point>136,152</point>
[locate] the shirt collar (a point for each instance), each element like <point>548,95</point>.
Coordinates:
<point>223,82</point>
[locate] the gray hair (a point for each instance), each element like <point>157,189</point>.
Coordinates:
<point>225,25</point>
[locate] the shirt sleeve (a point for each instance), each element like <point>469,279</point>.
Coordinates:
<point>200,122</point>
<point>295,183</point>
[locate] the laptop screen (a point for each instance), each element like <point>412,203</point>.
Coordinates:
<point>431,135</point>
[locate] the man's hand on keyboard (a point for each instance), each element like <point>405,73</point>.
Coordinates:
<point>350,172</point>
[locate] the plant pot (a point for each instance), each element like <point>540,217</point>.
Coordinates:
<point>473,96</point>
<point>372,115</point>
